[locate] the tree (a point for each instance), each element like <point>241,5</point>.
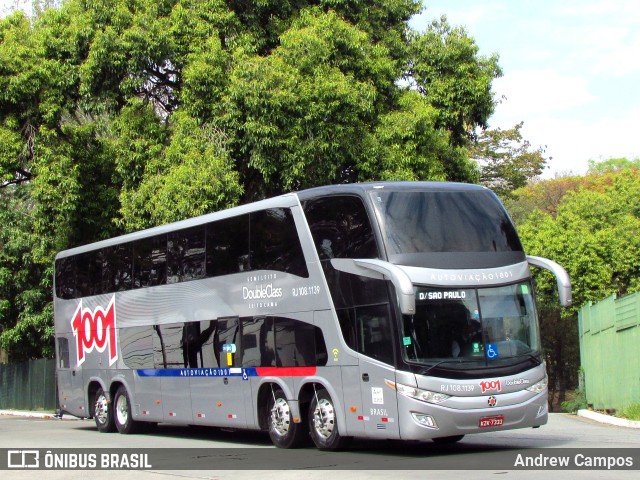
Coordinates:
<point>452,77</point>
<point>594,233</point>
<point>613,164</point>
<point>506,160</point>
<point>118,115</point>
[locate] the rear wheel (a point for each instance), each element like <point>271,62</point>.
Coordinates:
<point>323,422</point>
<point>103,412</point>
<point>283,431</point>
<point>122,412</point>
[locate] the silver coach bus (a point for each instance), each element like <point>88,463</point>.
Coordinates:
<point>385,310</point>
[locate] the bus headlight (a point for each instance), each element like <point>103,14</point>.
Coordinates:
<point>539,387</point>
<point>418,394</point>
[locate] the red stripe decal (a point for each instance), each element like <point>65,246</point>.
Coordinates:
<point>286,371</point>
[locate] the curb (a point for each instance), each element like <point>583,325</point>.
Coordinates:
<point>602,418</point>
<point>42,415</point>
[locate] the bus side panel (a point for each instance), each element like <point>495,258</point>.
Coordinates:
<point>147,403</point>
<point>352,397</point>
<point>71,392</point>
<point>341,374</point>
<point>69,374</point>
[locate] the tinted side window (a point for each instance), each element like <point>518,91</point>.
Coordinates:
<point>150,262</point>
<point>347,320</point>
<point>281,342</point>
<point>275,244</point>
<point>211,348</point>
<point>167,346</point>
<point>258,342</point>
<point>340,228</point>
<point>118,270</point>
<point>136,344</point>
<point>66,278</point>
<point>185,250</point>
<point>198,343</point>
<point>373,324</point>
<point>229,334</point>
<point>228,246</point>
<point>63,352</point>
<point>89,274</point>
<point>367,330</point>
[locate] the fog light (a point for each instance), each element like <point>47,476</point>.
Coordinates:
<point>424,420</point>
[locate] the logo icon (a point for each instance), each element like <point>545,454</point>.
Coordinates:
<point>23,459</point>
<point>491,385</point>
<point>95,329</point>
<point>492,401</point>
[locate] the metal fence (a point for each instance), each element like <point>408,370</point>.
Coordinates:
<point>610,351</point>
<point>28,385</point>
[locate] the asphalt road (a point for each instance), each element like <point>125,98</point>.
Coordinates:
<point>207,453</point>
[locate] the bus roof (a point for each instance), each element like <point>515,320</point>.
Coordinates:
<point>360,188</point>
<point>285,200</point>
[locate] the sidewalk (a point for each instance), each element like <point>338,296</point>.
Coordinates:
<point>44,415</point>
<point>611,420</point>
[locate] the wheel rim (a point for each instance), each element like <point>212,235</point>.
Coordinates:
<point>324,418</point>
<point>122,410</point>
<point>280,417</point>
<point>101,411</point>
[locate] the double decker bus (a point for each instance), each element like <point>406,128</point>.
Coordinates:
<point>399,310</point>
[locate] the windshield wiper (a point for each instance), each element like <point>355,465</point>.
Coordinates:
<point>450,360</point>
<point>530,356</point>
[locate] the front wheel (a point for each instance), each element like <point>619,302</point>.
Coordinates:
<point>122,412</point>
<point>323,422</point>
<point>103,413</point>
<point>284,433</point>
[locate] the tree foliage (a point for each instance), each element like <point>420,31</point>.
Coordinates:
<point>507,161</point>
<point>591,226</point>
<point>117,115</point>
<point>447,70</point>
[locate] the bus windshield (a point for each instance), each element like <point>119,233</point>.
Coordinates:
<point>432,228</point>
<point>478,326</point>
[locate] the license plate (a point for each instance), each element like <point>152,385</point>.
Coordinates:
<point>492,421</point>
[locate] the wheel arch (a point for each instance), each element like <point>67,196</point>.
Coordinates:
<point>93,385</point>
<point>308,390</point>
<point>264,393</point>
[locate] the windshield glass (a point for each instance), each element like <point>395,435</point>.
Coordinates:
<point>444,221</point>
<point>479,326</point>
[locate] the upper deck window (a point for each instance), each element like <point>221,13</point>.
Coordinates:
<point>340,227</point>
<point>472,221</point>
<point>418,224</point>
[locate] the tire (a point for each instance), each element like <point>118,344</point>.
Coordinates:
<point>323,422</point>
<point>448,440</point>
<point>103,412</point>
<point>284,433</point>
<point>122,412</point>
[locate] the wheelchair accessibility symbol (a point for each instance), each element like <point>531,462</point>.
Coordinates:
<point>492,351</point>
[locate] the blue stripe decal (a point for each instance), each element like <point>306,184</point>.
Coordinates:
<point>198,372</point>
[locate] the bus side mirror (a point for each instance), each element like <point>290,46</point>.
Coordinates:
<point>562,277</point>
<point>378,269</point>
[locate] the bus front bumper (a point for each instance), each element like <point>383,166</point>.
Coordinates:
<point>422,421</point>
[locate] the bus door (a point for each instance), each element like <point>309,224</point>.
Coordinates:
<point>69,384</point>
<point>168,349</point>
<point>379,401</point>
<point>218,389</point>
